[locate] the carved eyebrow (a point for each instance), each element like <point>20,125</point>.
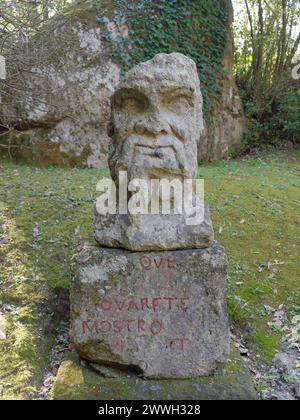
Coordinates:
<point>178,90</point>
<point>135,91</point>
<point>170,95</point>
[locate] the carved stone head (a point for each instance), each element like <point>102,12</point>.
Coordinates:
<point>157,120</point>
<point>155,126</point>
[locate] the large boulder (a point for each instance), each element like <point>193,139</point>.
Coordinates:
<point>78,58</point>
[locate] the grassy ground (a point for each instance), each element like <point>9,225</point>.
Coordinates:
<point>255,207</point>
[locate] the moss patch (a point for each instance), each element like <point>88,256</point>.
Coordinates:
<point>199,29</point>
<point>75,382</point>
<point>33,147</point>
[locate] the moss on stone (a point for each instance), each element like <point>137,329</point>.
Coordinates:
<point>75,382</point>
<point>33,147</point>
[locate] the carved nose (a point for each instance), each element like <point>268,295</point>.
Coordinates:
<point>152,124</point>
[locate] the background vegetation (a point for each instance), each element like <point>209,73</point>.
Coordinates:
<point>267,36</point>
<point>198,29</point>
<point>267,39</point>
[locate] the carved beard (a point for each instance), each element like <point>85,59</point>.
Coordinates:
<point>147,158</point>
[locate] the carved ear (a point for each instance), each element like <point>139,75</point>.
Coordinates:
<point>110,129</point>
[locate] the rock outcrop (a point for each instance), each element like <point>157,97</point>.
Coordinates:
<point>226,128</point>
<point>66,92</point>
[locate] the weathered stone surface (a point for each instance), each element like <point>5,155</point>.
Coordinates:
<point>225,129</point>
<point>152,232</point>
<point>157,119</point>
<point>68,95</point>
<point>76,382</point>
<point>156,122</point>
<point>162,314</point>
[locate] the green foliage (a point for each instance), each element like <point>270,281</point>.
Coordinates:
<point>267,38</point>
<point>197,29</point>
<point>287,118</point>
<point>279,124</point>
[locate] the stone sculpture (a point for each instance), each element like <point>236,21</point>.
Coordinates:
<point>157,307</point>
<point>156,124</point>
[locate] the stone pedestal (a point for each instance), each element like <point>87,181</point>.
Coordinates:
<point>160,314</point>
<point>77,381</point>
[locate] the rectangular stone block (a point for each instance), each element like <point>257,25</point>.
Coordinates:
<point>162,314</point>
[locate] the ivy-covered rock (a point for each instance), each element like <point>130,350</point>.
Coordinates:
<point>82,53</point>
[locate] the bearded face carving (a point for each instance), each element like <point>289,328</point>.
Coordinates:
<point>157,119</point>
<point>155,126</point>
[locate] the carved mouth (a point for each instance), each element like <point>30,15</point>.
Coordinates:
<point>151,152</point>
<point>158,152</point>
<point>159,158</point>
<point>165,153</point>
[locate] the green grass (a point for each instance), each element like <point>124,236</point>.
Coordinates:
<point>256,203</point>
<point>44,211</point>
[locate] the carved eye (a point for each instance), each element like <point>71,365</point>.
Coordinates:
<point>133,105</point>
<point>130,101</point>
